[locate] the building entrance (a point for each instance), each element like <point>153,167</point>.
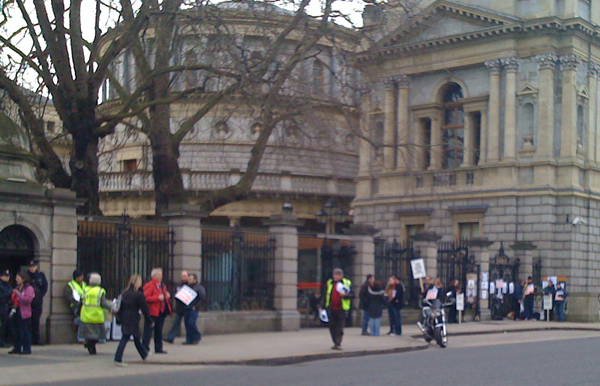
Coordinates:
<point>16,248</point>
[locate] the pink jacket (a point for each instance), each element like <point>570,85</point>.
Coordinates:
<point>25,297</point>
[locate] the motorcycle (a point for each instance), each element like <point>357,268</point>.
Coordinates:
<point>434,322</point>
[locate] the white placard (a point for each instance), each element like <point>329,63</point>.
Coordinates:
<point>460,302</point>
<point>484,294</point>
<point>485,284</point>
<point>418,268</point>
<point>484,276</point>
<point>511,288</point>
<point>492,287</point>
<point>186,295</point>
<point>547,302</point>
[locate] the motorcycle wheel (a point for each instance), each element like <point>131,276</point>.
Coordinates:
<point>440,337</point>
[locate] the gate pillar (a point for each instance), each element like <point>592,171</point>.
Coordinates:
<point>426,244</point>
<point>523,251</point>
<point>284,228</point>
<point>480,247</point>
<point>185,221</point>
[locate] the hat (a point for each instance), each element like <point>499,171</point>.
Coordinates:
<point>5,272</point>
<point>529,278</point>
<point>77,273</point>
<point>95,279</point>
<point>34,263</point>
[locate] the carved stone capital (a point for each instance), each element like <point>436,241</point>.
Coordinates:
<point>493,66</point>
<point>593,69</point>
<point>389,83</point>
<point>569,62</point>
<point>547,61</point>
<point>510,64</point>
<point>403,81</point>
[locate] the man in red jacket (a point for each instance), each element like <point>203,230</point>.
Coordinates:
<point>157,297</point>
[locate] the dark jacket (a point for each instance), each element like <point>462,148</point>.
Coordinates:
<point>518,292</point>
<point>363,296</point>
<point>200,299</point>
<point>132,302</point>
<point>40,285</point>
<point>376,303</point>
<point>398,300</point>
<point>5,296</point>
<point>179,306</point>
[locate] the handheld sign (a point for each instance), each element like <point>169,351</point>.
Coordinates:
<point>418,268</point>
<point>547,302</point>
<point>460,302</point>
<point>186,295</point>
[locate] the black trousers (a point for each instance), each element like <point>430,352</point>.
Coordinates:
<point>159,322</point>
<point>337,319</point>
<point>36,314</point>
<point>123,343</point>
<point>3,324</point>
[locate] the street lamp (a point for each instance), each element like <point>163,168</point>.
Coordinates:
<point>330,215</point>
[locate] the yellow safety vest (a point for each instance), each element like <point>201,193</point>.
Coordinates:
<point>79,288</point>
<point>346,302</point>
<point>91,310</point>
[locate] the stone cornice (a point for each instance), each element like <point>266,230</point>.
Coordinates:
<point>569,62</point>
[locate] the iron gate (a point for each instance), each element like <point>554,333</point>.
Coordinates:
<point>336,254</point>
<point>117,249</point>
<point>506,270</point>
<point>394,259</point>
<point>455,262</point>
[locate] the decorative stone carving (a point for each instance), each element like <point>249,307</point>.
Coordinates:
<point>569,62</point>
<point>593,69</point>
<point>222,130</point>
<point>528,144</point>
<point>583,96</point>
<point>389,83</point>
<point>527,94</point>
<point>547,61</point>
<point>493,66</point>
<point>510,64</point>
<point>403,81</point>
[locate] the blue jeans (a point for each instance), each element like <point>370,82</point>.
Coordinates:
<point>176,327</point>
<point>192,334</point>
<point>560,311</point>
<point>365,321</point>
<point>397,321</point>
<point>375,324</point>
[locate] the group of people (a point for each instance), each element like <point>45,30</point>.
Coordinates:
<point>21,308</point>
<point>373,299</point>
<point>524,296</point>
<point>87,302</point>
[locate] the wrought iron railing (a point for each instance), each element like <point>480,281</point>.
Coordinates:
<point>394,259</point>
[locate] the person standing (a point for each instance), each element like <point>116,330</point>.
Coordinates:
<point>337,301</point>
<point>363,303</point>
<point>453,290</point>
<point>40,286</point>
<point>157,296</point>
<point>5,305</point>
<point>559,302</point>
<point>23,296</point>
<point>73,294</point>
<point>528,297</point>
<point>179,311</point>
<point>517,299</point>
<point>397,304</point>
<point>133,302</point>
<point>389,291</point>
<point>192,334</point>
<point>92,313</point>
<point>376,303</point>
<point>550,290</point>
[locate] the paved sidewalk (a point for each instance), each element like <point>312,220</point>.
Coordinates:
<point>65,362</point>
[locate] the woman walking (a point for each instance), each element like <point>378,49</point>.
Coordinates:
<point>132,302</point>
<point>92,314</point>
<point>23,295</point>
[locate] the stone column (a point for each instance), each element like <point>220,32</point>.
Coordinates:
<point>426,244</point>
<point>568,131</point>
<point>592,113</point>
<point>480,248</point>
<point>483,138</point>
<point>468,145</point>
<point>365,131</point>
<point>510,109</point>
<point>404,155</point>
<point>185,220</point>
<point>284,228</point>
<point>362,238</point>
<point>493,139</point>
<point>61,261</point>
<point>389,140</point>
<point>545,131</point>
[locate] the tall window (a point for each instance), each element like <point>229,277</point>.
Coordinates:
<point>468,230</point>
<point>414,229</point>
<point>426,153</point>
<point>453,129</point>
<point>580,128</point>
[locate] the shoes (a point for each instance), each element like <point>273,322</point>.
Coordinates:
<point>366,333</point>
<point>420,325</point>
<point>145,357</point>
<point>25,353</point>
<point>14,352</point>
<point>160,352</point>
<point>191,343</point>
<point>121,364</point>
<point>336,347</point>
<point>390,333</point>
<point>169,341</point>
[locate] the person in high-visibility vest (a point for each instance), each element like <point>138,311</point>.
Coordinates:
<point>73,294</point>
<point>337,301</point>
<point>92,313</point>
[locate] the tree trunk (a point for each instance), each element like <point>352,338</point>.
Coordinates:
<point>84,170</point>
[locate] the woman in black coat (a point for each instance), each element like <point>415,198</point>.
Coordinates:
<point>132,302</point>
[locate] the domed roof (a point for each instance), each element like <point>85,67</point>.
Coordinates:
<point>12,136</point>
<point>16,161</point>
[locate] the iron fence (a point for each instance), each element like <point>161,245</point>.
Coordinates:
<point>336,254</point>
<point>117,249</point>
<point>503,268</point>
<point>238,269</point>
<point>394,259</point>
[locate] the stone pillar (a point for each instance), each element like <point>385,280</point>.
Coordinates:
<point>185,220</point>
<point>480,247</point>
<point>510,109</point>
<point>483,138</point>
<point>365,128</point>
<point>61,261</point>
<point>468,145</point>
<point>362,238</point>
<point>404,155</point>
<point>426,244</point>
<point>545,131</point>
<point>389,140</point>
<point>568,131</point>
<point>523,251</point>
<point>493,139</point>
<point>592,113</point>
<point>284,228</point>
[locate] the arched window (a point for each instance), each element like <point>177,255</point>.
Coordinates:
<point>453,128</point>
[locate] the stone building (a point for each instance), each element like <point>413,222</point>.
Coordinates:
<point>309,159</point>
<point>484,119</point>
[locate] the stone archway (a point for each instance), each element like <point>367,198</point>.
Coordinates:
<point>17,248</point>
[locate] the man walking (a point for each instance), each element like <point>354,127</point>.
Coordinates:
<point>363,303</point>
<point>337,301</point>
<point>192,334</point>
<point>5,300</point>
<point>179,310</point>
<point>157,297</point>
<point>40,286</point>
